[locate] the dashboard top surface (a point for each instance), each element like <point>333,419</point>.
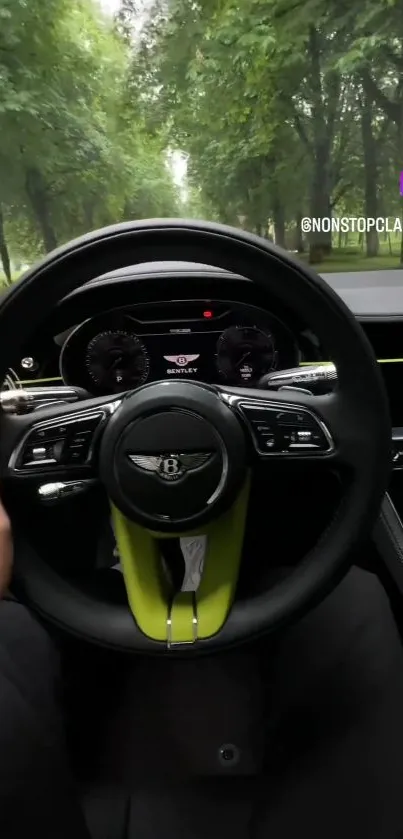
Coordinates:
<point>371,295</point>
<point>111,318</point>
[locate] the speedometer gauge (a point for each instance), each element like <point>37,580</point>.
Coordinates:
<point>117,360</point>
<point>245,354</point>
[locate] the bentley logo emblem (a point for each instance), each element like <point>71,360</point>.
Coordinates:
<point>181,360</point>
<point>170,467</point>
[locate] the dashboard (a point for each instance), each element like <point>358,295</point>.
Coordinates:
<point>118,331</point>
<point>209,341</point>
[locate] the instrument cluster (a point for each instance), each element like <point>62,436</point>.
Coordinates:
<point>209,341</point>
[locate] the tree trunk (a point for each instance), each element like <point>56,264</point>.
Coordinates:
<point>39,198</point>
<point>279,222</point>
<point>370,170</point>
<point>299,238</point>
<point>372,241</point>
<point>89,208</point>
<point>4,254</point>
<point>320,240</point>
<point>324,110</point>
<point>328,247</point>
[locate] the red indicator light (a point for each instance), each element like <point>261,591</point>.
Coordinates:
<point>208,314</point>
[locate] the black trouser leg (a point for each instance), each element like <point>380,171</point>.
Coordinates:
<point>336,686</point>
<point>37,797</point>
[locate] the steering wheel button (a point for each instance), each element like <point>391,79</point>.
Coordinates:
<point>319,439</point>
<point>36,456</point>
<point>259,416</point>
<point>54,431</point>
<point>81,437</point>
<point>294,418</point>
<point>34,453</point>
<point>301,447</point>
<point>75,454</point>
<point>267,440</point>
<point>38,453</point>
<point>304,436</point>
<point>47,434</point>
<point>87,423</point>
<point>39,435</point>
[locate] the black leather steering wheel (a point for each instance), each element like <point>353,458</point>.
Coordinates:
<point>177,457</point>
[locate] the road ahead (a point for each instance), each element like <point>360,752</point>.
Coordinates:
<point>370,293</point>
<point>365,279</point>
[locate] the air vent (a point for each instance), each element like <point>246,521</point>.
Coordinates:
<point>386,339</point>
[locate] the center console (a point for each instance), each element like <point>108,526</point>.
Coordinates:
<point>388,531</point>
<point>392,372</point>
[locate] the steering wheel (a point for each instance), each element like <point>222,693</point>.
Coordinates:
<point>177,457</point>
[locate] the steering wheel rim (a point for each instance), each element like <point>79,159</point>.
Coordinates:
<point>359,411</point>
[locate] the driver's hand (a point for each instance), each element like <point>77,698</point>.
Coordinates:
<point>6,550</point>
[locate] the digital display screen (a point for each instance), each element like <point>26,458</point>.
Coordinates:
<point>115,352</point>
<point>189,355</point>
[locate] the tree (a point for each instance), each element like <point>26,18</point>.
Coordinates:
<point>75,153</point>
<point>250,104</point>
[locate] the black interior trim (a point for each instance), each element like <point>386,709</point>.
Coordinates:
<point>388,539</point>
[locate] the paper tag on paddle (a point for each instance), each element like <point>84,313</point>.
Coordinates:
<point>193,551</point>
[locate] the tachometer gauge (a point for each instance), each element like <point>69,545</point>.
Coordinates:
<point>117,360</point>
<point>245,354</point>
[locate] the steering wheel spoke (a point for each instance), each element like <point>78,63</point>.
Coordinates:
<point>180,618</point>
<point>60,441</point>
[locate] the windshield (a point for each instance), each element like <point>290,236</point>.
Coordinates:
<point>284,117</point>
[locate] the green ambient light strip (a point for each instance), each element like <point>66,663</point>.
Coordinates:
<point>380,361</point>
<point>39,381</point>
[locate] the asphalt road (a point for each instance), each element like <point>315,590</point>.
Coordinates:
<point>393,277</point>
<point>370,293</point>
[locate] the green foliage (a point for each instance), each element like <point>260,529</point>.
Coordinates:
<point>283,108</point>
<point>269,99</point>
<point>75,151</point>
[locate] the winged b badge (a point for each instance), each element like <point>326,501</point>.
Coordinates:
<point>170,467</point>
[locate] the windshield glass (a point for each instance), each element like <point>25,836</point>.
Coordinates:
<point>283,117</point>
